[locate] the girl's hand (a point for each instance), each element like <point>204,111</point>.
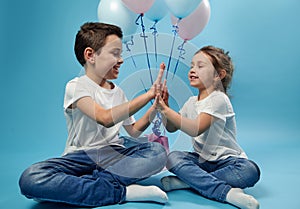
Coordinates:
<point>165,93</point>
<point>159,103</point>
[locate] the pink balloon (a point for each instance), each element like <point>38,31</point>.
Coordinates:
<point>138,6</point>
<point>192,25</point>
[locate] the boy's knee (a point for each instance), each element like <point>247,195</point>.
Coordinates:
<point>26,181</point>
<point>160,152</point>
<point>30,179</point>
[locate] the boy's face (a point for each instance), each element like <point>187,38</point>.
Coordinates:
<point>109,59</point>
<point>202,72</point>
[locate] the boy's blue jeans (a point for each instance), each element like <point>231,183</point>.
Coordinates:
<point>213,179</point>
<point>92,178</point>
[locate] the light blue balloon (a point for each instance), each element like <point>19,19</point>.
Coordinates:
<point>116,13</point>
<point>182,8</point>
<point>158,11</point>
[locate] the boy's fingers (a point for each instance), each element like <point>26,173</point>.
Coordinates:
<point>160,73</point>
<point>164,84</point>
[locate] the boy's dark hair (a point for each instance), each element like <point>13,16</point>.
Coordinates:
<point>93,34</point>
<point>220,60</point>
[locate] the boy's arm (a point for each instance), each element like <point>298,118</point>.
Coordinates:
<point>136,129</point>
<point>143,123</point>
<point>109,117</point>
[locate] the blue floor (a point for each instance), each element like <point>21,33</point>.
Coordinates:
<point>38,60</point>
<point>277,189</point>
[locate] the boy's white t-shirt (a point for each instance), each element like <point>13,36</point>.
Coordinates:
<point>84,132</point>
<point>219,141</point>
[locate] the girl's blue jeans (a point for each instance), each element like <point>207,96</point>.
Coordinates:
<point>213,179</point>
<point>92,178</point>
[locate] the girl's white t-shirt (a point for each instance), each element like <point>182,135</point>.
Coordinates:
<point>84,132</point>
<point>219,141</point>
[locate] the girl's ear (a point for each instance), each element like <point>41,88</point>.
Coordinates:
<point>222,74</point>
<point>89,55</point>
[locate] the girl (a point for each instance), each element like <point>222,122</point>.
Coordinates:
<point>218,168</point>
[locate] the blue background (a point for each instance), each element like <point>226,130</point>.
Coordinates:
<point>37,60</point>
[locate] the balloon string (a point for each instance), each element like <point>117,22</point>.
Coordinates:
<point>154,33</point>
<point>157,124</point>
<point>145,43</point>
<point>180,56</point>
<point>130,43</point>
<point>175,31</point>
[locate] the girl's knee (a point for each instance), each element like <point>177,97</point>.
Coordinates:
<point>254,173</point>
<point>174,159</point>
<point>250,173</point>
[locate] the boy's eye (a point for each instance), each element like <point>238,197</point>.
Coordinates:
<point>117,54</point>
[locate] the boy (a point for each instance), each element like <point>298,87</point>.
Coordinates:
<point>96,169</point>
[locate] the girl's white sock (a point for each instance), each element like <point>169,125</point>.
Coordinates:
<point>170,183</point>
<point>237,197</point>
<point>138,193</point>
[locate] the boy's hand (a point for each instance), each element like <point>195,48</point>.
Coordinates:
<point>157,85</point>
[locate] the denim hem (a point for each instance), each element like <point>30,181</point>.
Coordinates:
<point>122,195</point>
<point>223,195</point>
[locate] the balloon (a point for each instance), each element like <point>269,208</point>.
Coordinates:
<point>192,25</point>
<point>138,6</point>
<point>182,8</point>
<point>116,13</point>
<point>157,11</point>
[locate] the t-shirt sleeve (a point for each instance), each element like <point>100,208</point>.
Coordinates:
<point>183,111</point>
<point>217,106</point>
<point>74,91</point>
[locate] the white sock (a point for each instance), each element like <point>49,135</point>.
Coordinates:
<point>237,197</point>
<point>170,183</point>
<point>140,193</point>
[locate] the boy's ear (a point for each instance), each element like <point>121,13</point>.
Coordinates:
<point>89,54</point>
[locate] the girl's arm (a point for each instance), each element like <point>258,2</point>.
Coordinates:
<point>192,127</point>
<point>165,96</point>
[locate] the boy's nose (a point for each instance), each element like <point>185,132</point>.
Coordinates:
<point>120,60</point>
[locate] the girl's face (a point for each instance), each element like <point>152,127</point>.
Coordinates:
<point>202,72</point>
<point>109,59</point>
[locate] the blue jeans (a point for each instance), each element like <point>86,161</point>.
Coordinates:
<point>92,178</point>
<point>213,179</point>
